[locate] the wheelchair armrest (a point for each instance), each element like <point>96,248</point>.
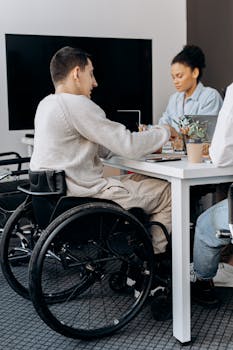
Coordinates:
<point>26,189</point>
<point>15,161</point>
<point>4,154</point>
<point>19,161</point>
<point>19,172</point>
<point>7,173</point>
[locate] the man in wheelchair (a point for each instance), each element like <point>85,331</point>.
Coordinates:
<point>72,133</point>
<point>86,248</point>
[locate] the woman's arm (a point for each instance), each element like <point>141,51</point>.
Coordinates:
<point>212,104</point>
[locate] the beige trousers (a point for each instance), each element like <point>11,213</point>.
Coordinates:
<point>150,194</point>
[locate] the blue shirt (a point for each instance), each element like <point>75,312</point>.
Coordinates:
<point>203,101</point>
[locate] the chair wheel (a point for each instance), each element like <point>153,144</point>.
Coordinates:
<point>16,247</point>
<point>117,282</point>
<point>95,274</point>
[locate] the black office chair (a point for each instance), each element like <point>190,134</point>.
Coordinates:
<point>81,253</point>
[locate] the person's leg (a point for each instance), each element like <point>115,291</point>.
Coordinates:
<point>162,213</point>
<point>207,247</point>
<point>207,251</point>
<point>152,195</point>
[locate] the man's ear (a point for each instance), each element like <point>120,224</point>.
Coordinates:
<point>76,72</point>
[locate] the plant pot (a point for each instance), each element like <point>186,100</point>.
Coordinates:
<point>194,150</point>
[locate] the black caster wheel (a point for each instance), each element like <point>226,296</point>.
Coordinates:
<point>117,282</point>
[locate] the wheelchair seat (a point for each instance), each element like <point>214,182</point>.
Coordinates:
<point>47,207</point>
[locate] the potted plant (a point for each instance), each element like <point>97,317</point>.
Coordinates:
<point>190,128</point>
<point>193,132</point>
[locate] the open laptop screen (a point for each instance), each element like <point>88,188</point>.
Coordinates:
<point>208,120</point>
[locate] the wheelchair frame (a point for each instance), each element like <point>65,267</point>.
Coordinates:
<point>81,260</point>
<point>10,196</point>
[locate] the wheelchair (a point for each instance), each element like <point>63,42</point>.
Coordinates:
<point>85,257</point>
<point>10,196</point>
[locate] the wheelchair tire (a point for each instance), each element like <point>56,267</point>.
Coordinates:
<point>16,247</point>
<point>19,237</point>
<point>93,241</point>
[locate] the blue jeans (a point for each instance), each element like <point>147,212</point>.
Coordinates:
<point>207,247</point>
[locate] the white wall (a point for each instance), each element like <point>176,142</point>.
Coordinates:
<point>164,21</point>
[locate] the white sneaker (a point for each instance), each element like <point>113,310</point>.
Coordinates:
<point>224,276</point>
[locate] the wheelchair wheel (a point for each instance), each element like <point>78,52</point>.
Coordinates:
<point>17,243</point>
<point>91,243</point>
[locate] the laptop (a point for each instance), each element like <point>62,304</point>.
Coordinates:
<point>208,121</point>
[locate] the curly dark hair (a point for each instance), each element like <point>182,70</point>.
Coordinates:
<point>193,57</point>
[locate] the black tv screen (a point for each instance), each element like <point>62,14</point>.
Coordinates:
<point>123,70</point>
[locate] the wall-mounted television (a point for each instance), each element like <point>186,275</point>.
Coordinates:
<point>123,70</point>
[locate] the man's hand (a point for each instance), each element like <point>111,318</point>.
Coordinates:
<point>174,133</point>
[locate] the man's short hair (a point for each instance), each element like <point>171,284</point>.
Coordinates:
<point>64,60</point>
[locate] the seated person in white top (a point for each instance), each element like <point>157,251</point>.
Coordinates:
<point>207,247</point>
<point>72,133</point>
<point>191,97</point>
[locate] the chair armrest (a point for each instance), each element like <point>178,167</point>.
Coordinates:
<point>19,160</point>
<point>4,154</point>
<point>18,172</point>
<point>26,189</point>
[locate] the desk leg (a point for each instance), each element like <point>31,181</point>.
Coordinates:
<point>180,260</point>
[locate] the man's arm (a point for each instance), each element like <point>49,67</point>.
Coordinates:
<point>221,150</point>
<point>105,153</point>
<point>95,127</point>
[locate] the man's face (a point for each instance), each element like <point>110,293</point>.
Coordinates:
<point>86,80</point>
<point>184,78</point>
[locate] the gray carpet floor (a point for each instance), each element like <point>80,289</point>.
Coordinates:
<point>22,329</point>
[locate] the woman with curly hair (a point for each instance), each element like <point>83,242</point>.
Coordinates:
<point>192,97</point>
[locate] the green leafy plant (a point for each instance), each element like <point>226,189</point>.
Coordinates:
<point>192,128</point>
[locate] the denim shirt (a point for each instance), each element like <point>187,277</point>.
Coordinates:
<point>203,101</point>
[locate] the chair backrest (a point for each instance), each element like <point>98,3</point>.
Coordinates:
<point>46,187</point>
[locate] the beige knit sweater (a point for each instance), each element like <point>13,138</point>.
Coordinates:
<point>72,133</point>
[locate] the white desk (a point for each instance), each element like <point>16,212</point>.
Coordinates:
<point>181,175</point>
